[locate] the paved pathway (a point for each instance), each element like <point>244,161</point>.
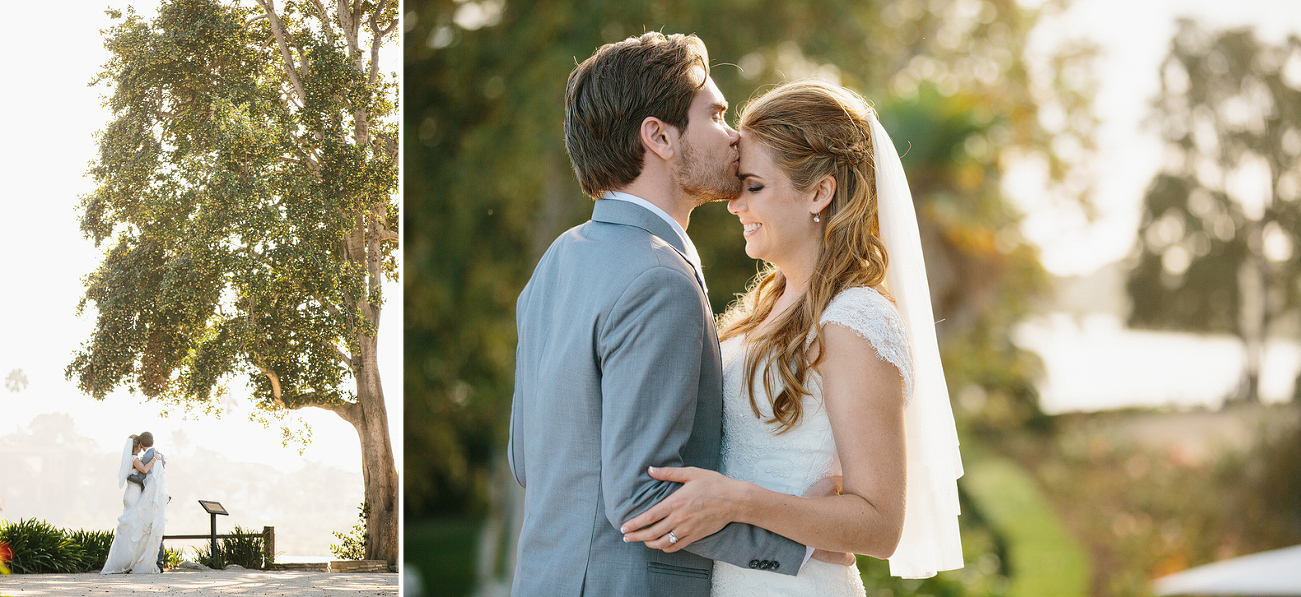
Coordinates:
<point>247,583</point>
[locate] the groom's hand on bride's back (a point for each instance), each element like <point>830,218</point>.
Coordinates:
<point>835,557</point>
<point>828,487</point>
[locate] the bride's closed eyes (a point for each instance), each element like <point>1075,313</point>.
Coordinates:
<point>751,185</point>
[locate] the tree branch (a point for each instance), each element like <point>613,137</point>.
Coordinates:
<point>348,20</point>
<point>324,303</point>
<point>282,39</point>
<point>390,146</point>
<point>377,37</point>
<point>275,383</point>
<point>326,24</point>
<point>373,260</point>
<point>344,358</point>
<point>347,411</point>
<point>311,162</point>
<point>379,213</point>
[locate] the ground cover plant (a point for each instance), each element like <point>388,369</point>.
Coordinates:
<point>1150,494</point>
<point>40,547</point>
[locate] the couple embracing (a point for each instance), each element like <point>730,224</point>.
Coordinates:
<point>138,539</point>
<point>656,461</point>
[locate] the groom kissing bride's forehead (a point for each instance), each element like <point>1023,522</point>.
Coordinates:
<point>618,365</point>
<point>651,94</point>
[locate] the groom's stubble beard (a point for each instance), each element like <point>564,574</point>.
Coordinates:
<point>705,181</point>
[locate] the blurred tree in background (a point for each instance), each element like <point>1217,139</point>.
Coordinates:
<point>488,185</point>
<point>1217,249</point>
<point>16,381</point>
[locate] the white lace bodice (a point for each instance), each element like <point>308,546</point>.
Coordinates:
<point>805,454</point>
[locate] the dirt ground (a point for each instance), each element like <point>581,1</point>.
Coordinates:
<point>216,582</point>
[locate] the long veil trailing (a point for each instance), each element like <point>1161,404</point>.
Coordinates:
<point>127,457</point>
<point>930,540</point>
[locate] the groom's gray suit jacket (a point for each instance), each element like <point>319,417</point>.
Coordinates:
<point>618,369</point>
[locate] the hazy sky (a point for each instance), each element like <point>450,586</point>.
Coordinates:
<point>50,117</point>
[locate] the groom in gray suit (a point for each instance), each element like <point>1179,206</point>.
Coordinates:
<point>618,364</point>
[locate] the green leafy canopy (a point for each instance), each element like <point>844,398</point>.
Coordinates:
<point>246,208</point>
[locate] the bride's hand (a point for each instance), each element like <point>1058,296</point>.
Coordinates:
<point>705,503</point>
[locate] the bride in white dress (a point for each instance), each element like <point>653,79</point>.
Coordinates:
<point>139,533</point>
<point>826,373</point>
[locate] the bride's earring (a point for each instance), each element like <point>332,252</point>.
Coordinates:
<point>816,218</point>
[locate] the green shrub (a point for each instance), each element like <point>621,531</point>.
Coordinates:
<point>352,545</point>
<point>245,548</point>
<point>173,557</point>
<point>1148,503</point>
<point>39,547</point>
<point>203,555</point>
<point>94,545</point>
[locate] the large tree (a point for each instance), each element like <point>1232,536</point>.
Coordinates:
<point>245,190</point>
<point>1217,248</point>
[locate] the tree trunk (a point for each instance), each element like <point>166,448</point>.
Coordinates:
<point>1251,324</point>
<point>377,467</point>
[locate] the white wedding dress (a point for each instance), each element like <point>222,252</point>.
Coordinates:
<point>792,462</point>
<point>139,530</point>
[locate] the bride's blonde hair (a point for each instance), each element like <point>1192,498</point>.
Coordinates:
<point>814,130</point>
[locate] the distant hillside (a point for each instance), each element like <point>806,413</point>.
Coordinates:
<point>1103,291</point>
<point>51,473</point>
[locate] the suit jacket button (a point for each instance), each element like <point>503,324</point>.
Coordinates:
<point>775,565</point>
<point>754,563</point>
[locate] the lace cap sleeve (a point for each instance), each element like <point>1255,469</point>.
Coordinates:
<point>873,317</point>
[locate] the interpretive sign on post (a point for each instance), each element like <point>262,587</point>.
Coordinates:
<point>213,509</point>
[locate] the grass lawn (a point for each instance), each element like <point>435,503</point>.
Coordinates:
<point>1045,559</point>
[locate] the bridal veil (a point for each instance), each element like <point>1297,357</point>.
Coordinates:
<point>930,540</point>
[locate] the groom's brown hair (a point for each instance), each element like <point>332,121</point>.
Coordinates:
<point>612,92</point>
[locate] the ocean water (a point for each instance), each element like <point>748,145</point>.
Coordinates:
<point>1094,363</point>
